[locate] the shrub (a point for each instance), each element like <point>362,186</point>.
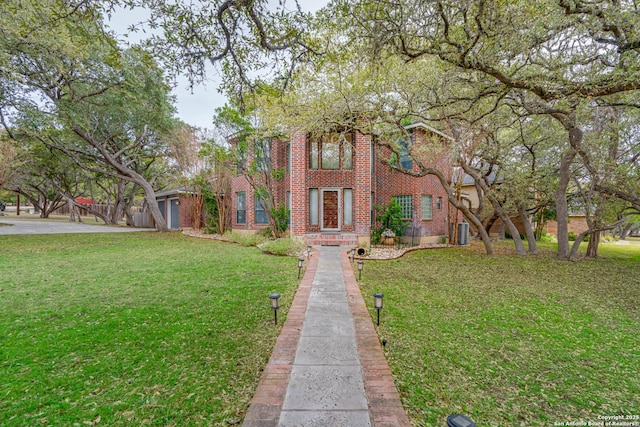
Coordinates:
<point>546,237</point>
<point>572,236</point>
<point>285,246</point>
<point>281,218</point>
<point>245,239</point>
<point>508,235</point>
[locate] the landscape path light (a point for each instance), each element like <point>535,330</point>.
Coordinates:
<point>457,420</point>
<point>360,267</point>
<point>309,251</point>
<point>300,264</point>
<point>274,297</point>
<point>352,254</point>
<point>377,304</point>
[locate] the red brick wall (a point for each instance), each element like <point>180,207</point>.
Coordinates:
<point>391,183</point>
<point>383,183</point>
<point>577,224</point>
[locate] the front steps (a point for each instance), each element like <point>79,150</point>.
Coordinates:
<point>331,239</point>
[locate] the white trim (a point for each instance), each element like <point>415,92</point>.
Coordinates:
<point>430,129</point>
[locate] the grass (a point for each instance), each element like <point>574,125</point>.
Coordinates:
<point>134,329</point>
<point>510,340</point>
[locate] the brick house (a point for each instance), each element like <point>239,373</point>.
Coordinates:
<point>332,182</point>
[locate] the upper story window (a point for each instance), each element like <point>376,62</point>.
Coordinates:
<point>331,151</point>
<point>405,160</point>
<point>262,153</point>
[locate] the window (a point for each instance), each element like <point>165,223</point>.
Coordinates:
<point>348,206</point>
<point>241,158</point>
<point>347,151</point>
<point>313,153</point>
<point>426,208</point>
<point>241,208</point>
<point>262,152</point>
<point>406,203</point>
<point>260,213</point>
<point>439,203</point>
<point>405,161</point>
<point>330,151</point>
<point>313,206</point>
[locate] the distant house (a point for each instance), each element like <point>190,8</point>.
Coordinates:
<point>333,180</point>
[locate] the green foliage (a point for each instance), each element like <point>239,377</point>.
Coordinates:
<point>573,236</point>
<point>283,247</point>
<point>280,216</point>
<point>134,328</point>
<point>211,213</point>
<point>547,237</point>
<point>390,217</point>
<point>247,239</point>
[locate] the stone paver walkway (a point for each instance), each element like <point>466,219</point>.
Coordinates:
<point>328,367</point>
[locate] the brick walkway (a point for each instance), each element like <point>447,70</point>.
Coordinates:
<point>382,401</point>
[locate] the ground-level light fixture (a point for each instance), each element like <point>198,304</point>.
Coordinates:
<point>309,251</point>
<point>360,267</point>
<point>377,304</point>
<point>352,254</point>
<point>274,297</point>
<point>457,420</point>
<point>300,264</point>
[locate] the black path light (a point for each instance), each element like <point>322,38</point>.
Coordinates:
<point>274,297</point>
<point>360,267</point>
<point>377,303</point>
<point>309,251</point>
<point>457,420</point>
<point>300,264</point>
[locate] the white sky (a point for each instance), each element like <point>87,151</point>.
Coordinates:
<point>194,106</point>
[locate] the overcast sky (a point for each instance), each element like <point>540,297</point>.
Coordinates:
<point>195,106</point>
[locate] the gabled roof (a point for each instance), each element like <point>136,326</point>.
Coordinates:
<point>428,128</point>
<point>175,191</point>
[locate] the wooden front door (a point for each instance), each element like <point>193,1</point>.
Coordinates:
<point>330,210</point>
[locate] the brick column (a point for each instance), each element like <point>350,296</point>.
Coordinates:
<point>362,191</point>
<point>298,184</point>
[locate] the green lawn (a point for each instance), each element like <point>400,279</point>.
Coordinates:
<point>134,329</point>
<point>509,340</point>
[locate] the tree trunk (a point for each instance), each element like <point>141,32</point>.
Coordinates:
<point>497,207</point>
<point>625,231</point>
<point>528,230</point>
<point>72,212</point>
<point>594,242</point>
<point>150,197</point>
<point>562,209</point>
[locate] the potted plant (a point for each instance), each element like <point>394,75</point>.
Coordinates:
<point>388,237</point>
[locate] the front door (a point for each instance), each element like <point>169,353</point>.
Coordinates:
<point>330,210</point>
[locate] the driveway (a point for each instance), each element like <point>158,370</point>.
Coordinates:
<point>44,227</point>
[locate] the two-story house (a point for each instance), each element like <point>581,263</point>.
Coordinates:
<point>332,181</point>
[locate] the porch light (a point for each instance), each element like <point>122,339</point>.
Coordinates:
<point>300,263</point>
<point>309,252</point>
<point>360,267</point>
<point>377,304</point>
<point>457,420</point>
<point>274,297</point>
